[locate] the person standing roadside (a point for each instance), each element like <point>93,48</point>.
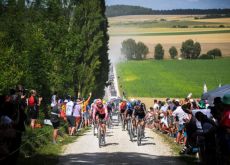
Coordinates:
<point>55,119</point>
<point>86,114</point>
<point>69,116</point>
<point>34,103</point>
<point>224,130</point>
<point>77,113</point>
<point>182,117</point>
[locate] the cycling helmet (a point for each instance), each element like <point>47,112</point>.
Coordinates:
<point>138,102</point>
<point>129,105</point>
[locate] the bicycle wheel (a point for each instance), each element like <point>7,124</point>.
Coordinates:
<point>123,123</point>
<point>95,129</point>
<point>103,137</point>
<point>130,130</point>
<point>99,137</point>
<point>109,123</point>
<point>139,134</point>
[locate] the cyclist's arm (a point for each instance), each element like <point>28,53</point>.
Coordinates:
<point>94,113</point>
<point>106,112</point>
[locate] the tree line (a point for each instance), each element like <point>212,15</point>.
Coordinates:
<point>189,50</point>
<point>119,10</point>
<point>54,45</point>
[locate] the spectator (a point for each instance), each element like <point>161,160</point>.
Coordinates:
<point>182,117</point>
<point>208,149</point>
<point>54,118</point>
<point>224,130</point>
<point>77,113</point>
<point>85,111</point>
<point>155,105</point>
<point>70,117</point>
<point>33,104</point>
<point>54,100</point>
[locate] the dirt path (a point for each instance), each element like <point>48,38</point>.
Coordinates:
<point>118,150</point>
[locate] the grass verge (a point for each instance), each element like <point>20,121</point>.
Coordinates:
<point>41,150</point>
<point>175,148</point>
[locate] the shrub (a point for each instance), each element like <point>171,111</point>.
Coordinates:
<point>215,53</point>
<point>205,57</point>
<point>173,52</point>
<point>159,52</point>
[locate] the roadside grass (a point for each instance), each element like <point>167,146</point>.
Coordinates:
<point>171,78</point>
<point>40,149</point>
<point>175,148</point>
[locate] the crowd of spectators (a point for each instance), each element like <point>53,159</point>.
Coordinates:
<point>196,126</point>
<point>20,110</point>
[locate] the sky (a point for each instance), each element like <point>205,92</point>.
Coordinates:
<point>173,4</point>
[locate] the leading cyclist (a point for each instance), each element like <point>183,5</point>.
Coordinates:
<point>139,114</point>
<point>100,113</point>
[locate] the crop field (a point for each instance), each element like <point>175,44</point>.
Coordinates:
<point>154,29</point>
<point>172,78</point>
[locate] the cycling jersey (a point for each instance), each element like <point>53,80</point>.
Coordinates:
<point>129,112</point>
<point>101,112</point>
<point>140,113</point>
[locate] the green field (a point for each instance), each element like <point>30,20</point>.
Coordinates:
<point>171,78</point>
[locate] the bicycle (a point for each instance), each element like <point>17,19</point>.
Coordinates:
<point>101,133</point>
<point>123,121</point>
<point>130,128</point>
<point>109,121</point>
<point>140,132</point>
<point>95,127</point>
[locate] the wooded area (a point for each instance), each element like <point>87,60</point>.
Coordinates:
<point>119,10</point>
<point>54,45</point>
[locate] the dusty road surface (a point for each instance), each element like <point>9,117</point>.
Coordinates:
<point>118,150</point>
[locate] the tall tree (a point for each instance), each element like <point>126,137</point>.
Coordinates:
<point>173,52</point>
<point>54,45</point>
<point>159,52</point>
<point>190,49</point>
<point>128,48</point>
<point>141,51</point>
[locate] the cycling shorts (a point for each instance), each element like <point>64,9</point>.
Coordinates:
<point>101,116</point>
<point>129,112</point>
<point>140,117</point>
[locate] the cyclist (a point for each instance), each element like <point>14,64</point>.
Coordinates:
<point>129,112</point>
<point>100,112</point>
<point>139,114</point>
<point>109,109</point>
<point>122,109</point>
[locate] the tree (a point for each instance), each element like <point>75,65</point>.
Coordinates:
<point>141,51</point>
<point>128,48</point>
<point>54,45</point>
<point>215,53</point>
<point>196,51</point>
<point>190,50</point>
<point>173,52</point>
<point>159,52</point>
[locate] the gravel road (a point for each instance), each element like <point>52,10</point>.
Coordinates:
<point>118,150</point>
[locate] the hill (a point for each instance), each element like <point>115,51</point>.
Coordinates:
<point>120,10</point>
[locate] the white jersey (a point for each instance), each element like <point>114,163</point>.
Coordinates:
<point>181,115</point>
<point>69,108</point>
